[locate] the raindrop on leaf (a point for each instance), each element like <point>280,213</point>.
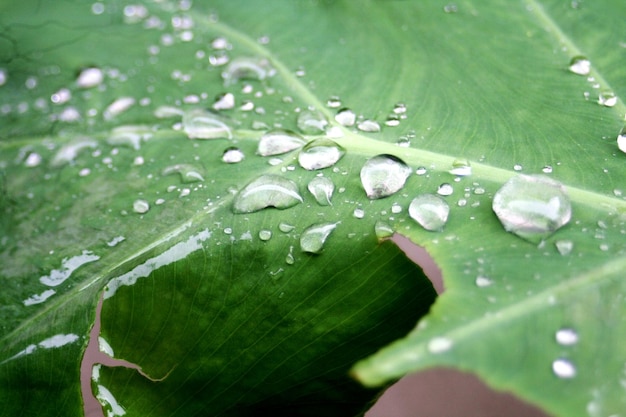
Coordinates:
<point>278,142</point>
<point>445,189</point>
<point>141,206</point>
<point>314,237</point>
<point>311,122</point>
<point>430,211</point>
<point>580,65</point>
<point>247,68</point>
<point>384,175</point>
<point>267,191</point>
<point>322,189</point>
<point>345,117</point>
<point>566,337</point>
<point>233,155</point>
<point>383,230</point>
<point>607,99</point>
<point>188,173</point>
<point>368,126</point>
<point>90,77</point>
<point>202,124</point>
<point>564,246</point>
<point>563,368</point>
<point>265,235</point>
<point>319,154</point>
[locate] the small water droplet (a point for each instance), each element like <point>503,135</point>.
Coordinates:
<point>233,155</point>
<point>450,8</point>
<point>445,189</point>
<point>319,154</point>
<point>439,345</point>
<point>383,230</point>
<point>566,337</point>
<point>247,105</point>
<point>322,189</point>
<point>396,208</point>
<point>563,368</point>
<point>430,211</point>
<point>188,173</point>
<point>118,106</point>
<point>278,142</point>
<point>483,282</point>
<point>333,102</point>
<point>580,65</point>
<point>165,112</point>
<point>421,170</point>
<point>311,122</point>
<point>564,246</point>
<point>220,43</point>
<point>286,227</point>
<point>90,77</point>
<point>607,99</point>
<point>345,117</point>
<point>461,168</point>
<point>368,126</point>
<point>399,108</point>
<point>358,213</point>
<point>141,206</point>
<point>228,231</point>
<point>265,235</point>
<point>479,191</point>
<point>224,101</point>
<point>532,206</point>
<point>384,175</point>
<point>3,76</point>
<point>247,68</point>
<point>517,167</point>
<point>621,140</point>
<point>32,160</point>
<point>61,96</point>
<point>289,259</point>
<point>314,237</point>
<point>68,152</point>
<point>203,124</point>
<point>267,191</point>
<point>547,169</point>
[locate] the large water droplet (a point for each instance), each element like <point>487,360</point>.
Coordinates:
<point>312,122</point>
<point>430,211</point>
<point>202,124</point>
<point>247,68</point>
<point>384,175</point>
<point>566,337</point>
<point>563,368</point>
<point>345,117</point>
<point>314,237</point>
<point>580,65</point>
<point>532,206</point>
<point>188,173</point>
<point>279,141</point>
<point>233,155</point>
<point>322,189</point>
<point>319,154</point>
<point>68,152</point>
<point>90,77</point>
<point>267,191</point>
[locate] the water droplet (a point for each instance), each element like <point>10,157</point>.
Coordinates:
<point>563,368</point>
<point>188,173</point>
<point>117,107</point>
<point>399,108</point>
<point>479,191</point>
<point>322,189</point>
<point>621,140</point>
<point>265,235</point>
<point>450,8</point>
<point>61,96</point>
<point>421,170</point>
<point>392,121</point>
<point>165,112</point>
<point>483,282</point>
<point>279,141</point>
<point>90,77</point>
<point>368,126</point>
<point>319,154</point>
<point>130,135</point>
<point>202,124</point>
<point>233,155</point>
<point>267,191</point>
<point>564,246</point>
<point>358,213</point>
<point>430,211</point>
<point>445,189</point>
<point>607,99</point>
<point>141,206</point>
<point>532,206</point>
<point>228,231</point>
<point>285,227</point>
<point>345,117</point>
<point>32,160</point>
<point>224,101</point>
<point>220,43</point>
<point>383,230</point>
<point>439,345</point>
<point>68,152</point>
<point>580,65</point>
<point>461,168</point>
<point>517,167</point>
<point>333,102</point>
<point>314,237</point>
<point>311,122</point>
<point>384,175</point>
<point>289,259</point>
<point>396,208</point>
<point>547,169</point>
<point>247,68</point>
<point>3,76</point>
<point>566,337</point>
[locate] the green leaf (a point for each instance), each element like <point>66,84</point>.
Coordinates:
<point>223,320</point>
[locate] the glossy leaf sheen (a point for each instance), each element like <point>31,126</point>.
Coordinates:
<point>240,326</point>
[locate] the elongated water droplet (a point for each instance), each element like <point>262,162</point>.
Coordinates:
<point>368,126</point>
<point>90,77</point>
<point>285,227</point>
<point>165,112</point>
<point>118,106</point>
<point>483,282</point>
<point>314,237</point>
<point>130,135</point>
<point>233,155</point>
<point>383,230</point>
<point>267,191</point>
<point>430,211</point>
<point>607,99</point>
<point>322,189</point>
<point>312,122</point>
<point>141,206</point>
<point>68,152</point>
<point>566,337</point>
<point>289,259</point>
<point>580,65</point>
<point>384,175</point>
<point>439,345</point>
<point>319,154</point>
<point>188,173</point>
<point>621,140</point>
<point>265,235</point>
<point>345,117</point>
<point>461,168</point>
<point>563,368</point>
<point>277,142</point>
<point>247,68</point>
<point>532,206</point>
<point>564,246</point>
<point>202,124</point>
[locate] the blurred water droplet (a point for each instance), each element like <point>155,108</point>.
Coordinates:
<point>445,189</point>
<point>220,43</point>
<point>399,108</point>
<point>117,107</point>
<point>421,170</point>
<point>141,206</point>
<point>285,227</point>
<point>164,112</point>
<point>265,235</point>
<point>566,337</point>
<point>233,155</point>
<point>517,167</point>
<point>430,211</point>
<point>580,65</point>
<point>532,206</point>
<point>358,213</point>
<point>228,231</point>
<point>224,101</point>
<point>61,96</point>
<point>247,68</point>
<point>368,126</point>
<point>188,173</point>
<point>68,152</point>
<point>32,160</point>
<point>396,208</point>
<point>278,142</point>
<point>450,8</point>
<point>384,175</point>
<point>392,121</point>
<point>479,191</point>
<point>621,140</point>
<point>4,76</point>
<point>333,102</point>
<point>345,117</point>
<point>202,124</point>
<point>607,99</point>
<point>90,77</point>
<point>319,154</point>
<point>383,230</point>
<point>547,169</point>
<point>564,246</point>
<point>311,122</point>
<point>129,135</point>
<point>461,168</point>
<point>267,191</point>
<point>563,368</point>
<point>439,345</point>
<point>322,189</point>
<point>314,237</point>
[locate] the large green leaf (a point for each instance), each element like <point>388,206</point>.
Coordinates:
<point>224,320</point>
